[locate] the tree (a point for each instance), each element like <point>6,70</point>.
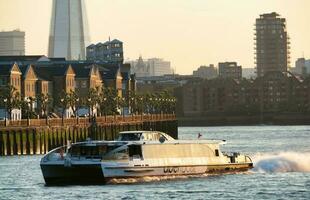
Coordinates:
<point>93,99</point>
<point>108,101</point>
<point>74,102</point>
<point>132,101</point>
<point>44,104</point>
<point>10,98</point>
<point>63,102</point>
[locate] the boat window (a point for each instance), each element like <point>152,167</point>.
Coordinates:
<point>130,137</point>
<point>135,151</point>
<point>88,151</point>
<point>122,154</point>
<point>151,136</point>
<point>157,136</point>
<point>217,152</point>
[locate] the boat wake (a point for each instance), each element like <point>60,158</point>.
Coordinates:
<point>150,179</point>
<point>147,179</point>
<point>281,162</point>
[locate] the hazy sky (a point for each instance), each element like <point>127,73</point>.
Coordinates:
<point>189,33</point>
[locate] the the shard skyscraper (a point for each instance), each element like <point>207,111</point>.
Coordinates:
<point>69,30</point>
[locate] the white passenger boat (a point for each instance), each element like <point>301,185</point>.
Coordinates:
<point>137,154</point>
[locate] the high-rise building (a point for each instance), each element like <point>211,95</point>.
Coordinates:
<point>272,44</point>
<point>68,31</point>
<point>12,43</point>
<point>230,70</point>
<point>109,51</point>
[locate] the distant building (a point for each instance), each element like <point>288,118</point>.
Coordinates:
<point>159,67</point>
<point>271,44</point>
<point>109,51</point>
<point>207,72</point>
<point>151,67</point>
<point>12,43</point>
<point>302,67</point>
<point>140,68</point>
<point>275,92</point>
<point>230,70</point>
<point>248,73</point>
<point>68,31</point>
<point>152,84</point>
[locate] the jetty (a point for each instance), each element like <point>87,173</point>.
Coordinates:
<point>38,136</point>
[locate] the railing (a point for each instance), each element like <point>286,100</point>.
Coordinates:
<point>87,121</point>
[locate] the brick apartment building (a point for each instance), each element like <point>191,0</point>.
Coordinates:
<point>275,92</point>
<point>33,75</point>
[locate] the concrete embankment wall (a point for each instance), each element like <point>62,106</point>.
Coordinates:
<point>41,139</point>
<point>271,119</point>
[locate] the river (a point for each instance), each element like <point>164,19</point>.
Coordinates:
<point>281,157</point>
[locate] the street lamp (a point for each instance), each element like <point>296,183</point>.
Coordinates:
<point>77,106</point>
<point>141,99</point>
<point>5,105</point>
<point>28,109</point>
<point>44,107</point>
<point>123,106</point>
<point>105,108</point>
<point>77,110</point>
<point>63,110</point>
<point>90,108</point>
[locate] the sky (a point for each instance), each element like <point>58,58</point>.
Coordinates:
<point>189,33</point>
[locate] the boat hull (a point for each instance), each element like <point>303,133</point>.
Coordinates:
<point>58,174</point>
<point>99,174</point>
<point>126,172</point>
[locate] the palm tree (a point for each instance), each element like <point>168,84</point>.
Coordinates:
<point>132,101</point>
<point>74,102</point>
<point>63,101</point>
<point>109,101</point>
<point>140,103</point>
<point>121,103</point>
<point>93,99</point>
<point>44,104</point>
<point>10,98</point>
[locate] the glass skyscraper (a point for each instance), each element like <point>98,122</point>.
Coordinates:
<point>68,30</point>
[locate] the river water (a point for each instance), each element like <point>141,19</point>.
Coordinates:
<point>281,157</point>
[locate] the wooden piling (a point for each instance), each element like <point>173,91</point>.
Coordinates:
<point>1,144</point>
<point>15,150</point>
<point>40,140</point>
<point>27,142</point>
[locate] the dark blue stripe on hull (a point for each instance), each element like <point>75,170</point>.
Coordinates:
<point>76,174</point>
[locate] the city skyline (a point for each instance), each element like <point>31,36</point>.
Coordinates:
<point>189,34</point>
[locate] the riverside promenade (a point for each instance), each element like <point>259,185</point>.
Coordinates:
<point>38,136</point>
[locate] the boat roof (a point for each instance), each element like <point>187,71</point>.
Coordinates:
<point>142,132</point>
<point>129,132</point>
<point>142,142</point>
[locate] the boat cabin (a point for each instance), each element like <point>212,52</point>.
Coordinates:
<point>143,136</point>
